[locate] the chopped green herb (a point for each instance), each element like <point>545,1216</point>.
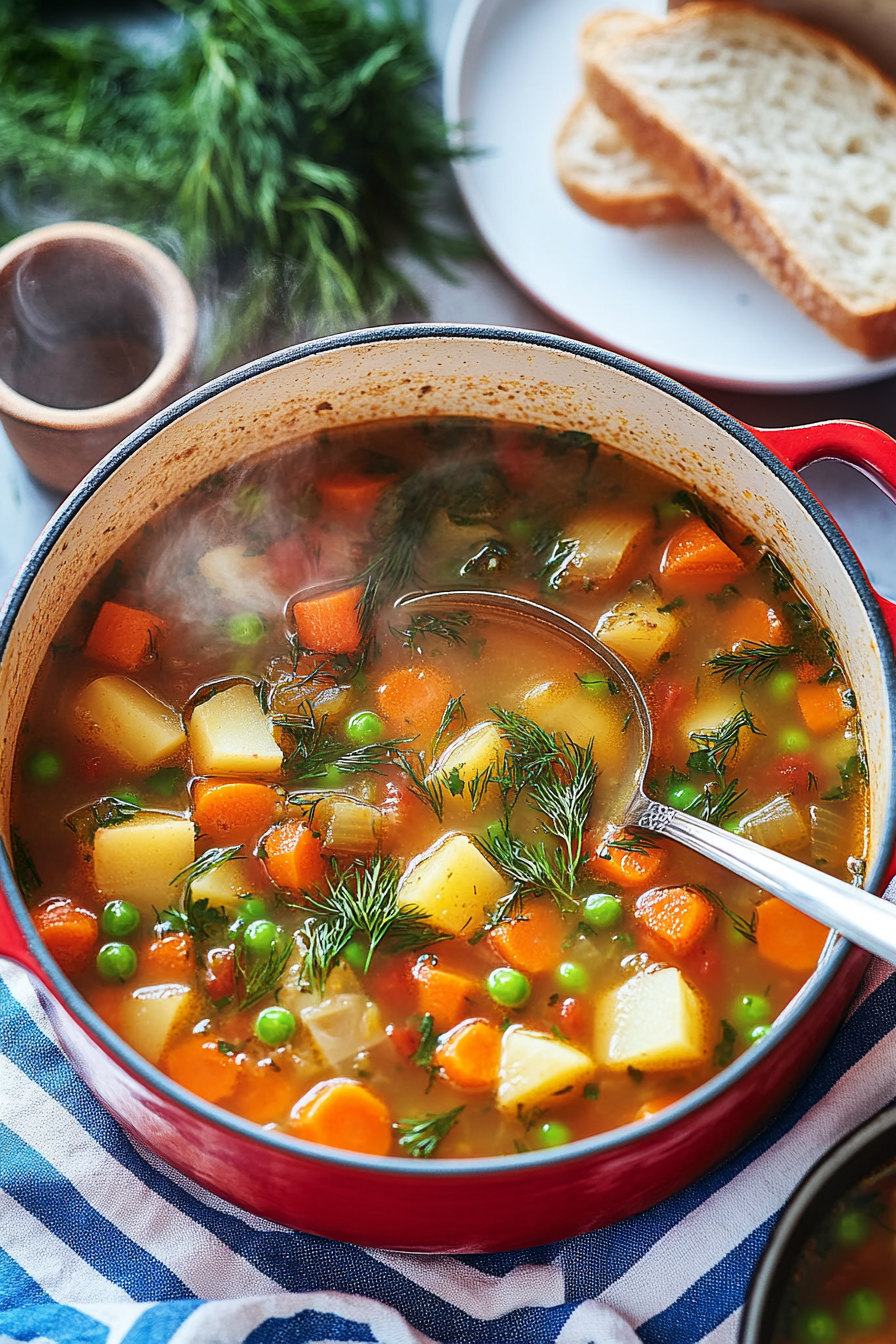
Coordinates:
<point>674,605</point>
<point>715,747</point>
<point>110,811</point>
<point>694,504</point>
<point>446,627</point>
<point>591,1091</point>
<point>420,1136</point>
<point>751,660</point>
<point>782,579</point>
<point>23,865</point>
<point>723,1053</point>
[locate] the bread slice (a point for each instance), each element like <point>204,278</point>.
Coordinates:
<point>783,138</point>
<point>597,166</point>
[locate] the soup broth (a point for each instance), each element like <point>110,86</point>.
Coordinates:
<point>355,870</point>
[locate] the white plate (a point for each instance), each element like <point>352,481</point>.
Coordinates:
<point>673,296</point>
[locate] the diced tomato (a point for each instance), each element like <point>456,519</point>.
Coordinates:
<point>219,972</point>
<point>790,774</point>
<point>573,1016</point>
<point>405,1039</point>
<point>666,696</point>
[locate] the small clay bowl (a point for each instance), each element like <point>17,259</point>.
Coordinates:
<point>97,334</point>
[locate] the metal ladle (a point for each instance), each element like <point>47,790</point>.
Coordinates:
<point>860,916</point>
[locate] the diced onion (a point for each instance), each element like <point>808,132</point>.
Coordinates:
<point>778,824</point>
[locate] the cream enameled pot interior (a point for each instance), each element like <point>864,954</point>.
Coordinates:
<point>352,380</point>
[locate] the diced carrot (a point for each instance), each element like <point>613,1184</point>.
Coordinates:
<point>694,548</point>
<point>123,636</point>
<point>625,867</point>
<point>172,955</point>
<point>263,1092</point>
<point>330,623</point>
<point>753,621</point>
<point>351,492</point>
<point>69,932</point>
<point>235,811</point>
<point>220,977</point>
<point>342,1113</point>
<point>469,1055</point>
<point>787,937</point>
<point>413,699</point>
<point>534,942</point>
<point>198,1064</point>
<point>677,916</point>
<point>293,856</point>
<point>446,996</point>
<point>823,707</point>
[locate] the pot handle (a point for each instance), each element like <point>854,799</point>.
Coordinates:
<point>869,450</point>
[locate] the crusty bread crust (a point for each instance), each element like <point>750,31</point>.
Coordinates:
<point>714,188</point>
<point>597,179</point>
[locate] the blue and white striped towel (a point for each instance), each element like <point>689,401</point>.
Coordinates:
<point>101,1243</point>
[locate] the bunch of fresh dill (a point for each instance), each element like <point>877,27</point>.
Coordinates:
<point>286,148</point>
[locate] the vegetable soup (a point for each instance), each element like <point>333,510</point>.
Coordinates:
<point>355,871</point>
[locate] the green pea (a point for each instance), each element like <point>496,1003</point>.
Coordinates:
<point>756,1033</point>
<point>794,740</point>
<point>601,910</point>
<point>751,1009</point>
<point>245,628</point>
<point>116,961</point>
<point>508,987</point>
<point>683,794</point>
<point>816,1326</point>
<point>601,687</point>
<point>274,1026</point>
<point>355,954</point>
<point>364,727</point>
<point>120,918</point>
<point>863,1309</point>
<point>552,1134</point>
<point>781,685</point>
<point>571,975</point>
<point>333,777</point>
<point>260,936</point>
<point>44,766</point>
<point>852,1227</point>
<point>252,907</point>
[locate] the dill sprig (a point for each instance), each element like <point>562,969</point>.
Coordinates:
<point>207,863</point>
<point>420,1136</point>
<point>429,1040</point>
<point>108,811</point>
<point>745,927</point>
<point>446,627</point>
<point>315,749</point>
<point>632,842</point>
<point>325,942</point>
<point>532,868</point>
<point>782,579</point>
<point>454,713</point>
<point>715,746</point>
<point>750,660</point>
<point>424,786</point>
<point>199,918</point>
<point>717,802</point>
<point>261,976</point>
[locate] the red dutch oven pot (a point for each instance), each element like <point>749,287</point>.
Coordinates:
<point>488,1204</point>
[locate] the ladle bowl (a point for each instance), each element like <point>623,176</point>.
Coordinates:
<point>860,916</point>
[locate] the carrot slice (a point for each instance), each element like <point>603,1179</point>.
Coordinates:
<point>293,856</point>
<point>534,942</point>
<point>627,868</point>
<point>413,699</point>
<point>787,937</point>
<point>330,623</point>
<point>342,1113</point>
<point>172,955</point>
<point>469,1055</point>
<point>123,636</point>
<point>69,932</point>
<point>351,491</point>
<point>233,811</point>
<point>677,916</point>
<point>823,708</point>
<point>263,1092</point>
<point>753,621</point>
<point>446,996</point>
<point>197,1064</point>
<point>694,548</point>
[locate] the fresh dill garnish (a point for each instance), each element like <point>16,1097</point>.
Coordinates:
<point>324,942</point>
<point>723,1053</point>
<point>207,863</point>
<point>674,605</point>
<point>853,773</point>
<point>745,927</point>
<point>751,660</point>
<point>447,627</point>
<point>429,1040</point>
<point>692,503</point>
<point>425,787</point>
<point>23,865</point>
<point>835,671</point>
<point>509,907</point>
<point>530,866</point>
<point>197,918</point>
<point>261,976</point>
<point>315,750</point>
<point>454,713</point>
<point>109,811</point>
<point>717,802</point>
<point>420,1136</point>
<point>633,842</point>
<point>782,579</point>
<point>714,747</point>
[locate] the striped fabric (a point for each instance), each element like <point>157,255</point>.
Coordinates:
<point>101,1243</point>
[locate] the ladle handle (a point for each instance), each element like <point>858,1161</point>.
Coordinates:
<point>861,917</point>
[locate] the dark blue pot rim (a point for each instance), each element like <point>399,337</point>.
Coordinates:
<point>445,1169</point>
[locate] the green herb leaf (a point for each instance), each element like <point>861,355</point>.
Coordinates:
<point>260,976</point>
<point>715,747</point>
<point>207,863</point>
<point>751,659</point>
<point>446,627</point>
<point>685,499</point>
<point>420,1136</point>
<point>109,811</point>
<point>23,865</point>
<point>429,1040</point>
<point>782,579</point>
<point>723,1053</point>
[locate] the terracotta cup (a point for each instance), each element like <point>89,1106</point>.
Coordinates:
<point>97,334</point>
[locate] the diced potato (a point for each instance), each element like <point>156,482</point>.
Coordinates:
<point>125,719</point>
<point>709,713</point>
<point>230,735</point>
<point>605,544</point>
<point>454,884</point>
<point>230,881</point>
<point>778,824</point>
<point>536,1068</point>
<point>472,753</point>
<point>559,708</point>
<point>656,1020</point>
<point>152,1018</point>
<point>638,632</point>
<point>243,581</point>
<point>348,825</point>
<point>138,860</point>
<point>343,1025</point>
